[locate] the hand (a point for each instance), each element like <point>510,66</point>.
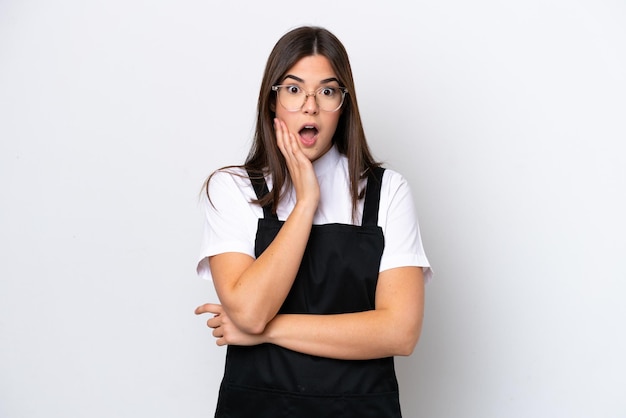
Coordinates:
<point>224,330</point>
<point>300,168</point>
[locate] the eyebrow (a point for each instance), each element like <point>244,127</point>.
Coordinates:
<point>298,79</point>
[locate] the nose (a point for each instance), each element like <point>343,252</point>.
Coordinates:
<point>310,106</point>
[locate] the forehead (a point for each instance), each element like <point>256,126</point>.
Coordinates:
<point>312,69</point>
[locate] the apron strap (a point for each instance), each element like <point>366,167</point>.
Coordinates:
<point>370,206</point>
<point>372,196</point>
<point>260,188</point>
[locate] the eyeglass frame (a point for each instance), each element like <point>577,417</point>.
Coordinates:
<point>343,90</point>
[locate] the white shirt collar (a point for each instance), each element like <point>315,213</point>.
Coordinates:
<point>327,161</point>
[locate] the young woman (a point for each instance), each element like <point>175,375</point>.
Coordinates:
<point>314,250</point>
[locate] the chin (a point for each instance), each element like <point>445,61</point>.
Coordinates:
<point>313,155</point>
<point>316,152</point>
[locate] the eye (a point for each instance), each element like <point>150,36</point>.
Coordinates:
<point>328,91</point>
<point>293,89</point>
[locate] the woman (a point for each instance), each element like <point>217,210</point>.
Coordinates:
<point>314,250</point>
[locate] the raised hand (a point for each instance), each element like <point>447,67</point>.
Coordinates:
<point>300,167</point>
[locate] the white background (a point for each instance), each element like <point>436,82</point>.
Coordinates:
<point>508,119</point>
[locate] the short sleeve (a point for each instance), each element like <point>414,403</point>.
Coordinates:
<point>398,218</point>
<point>230,220</point>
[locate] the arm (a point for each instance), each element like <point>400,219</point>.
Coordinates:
<point>252,291</point>
<point>392,328</point>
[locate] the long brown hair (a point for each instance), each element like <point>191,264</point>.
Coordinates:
<point>265,157</point>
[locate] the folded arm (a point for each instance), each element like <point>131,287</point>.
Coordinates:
<point>391,329</point>
<point>252,291</point>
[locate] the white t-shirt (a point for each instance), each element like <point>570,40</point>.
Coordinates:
<point>230,220</point>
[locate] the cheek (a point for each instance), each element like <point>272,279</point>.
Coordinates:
<point>282,114</point>
<point>332,124</point>
<point>279,113</point>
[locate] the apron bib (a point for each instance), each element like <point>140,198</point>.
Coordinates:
<point>338,274</point>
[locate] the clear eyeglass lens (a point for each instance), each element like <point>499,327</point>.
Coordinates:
<point>293,98</point>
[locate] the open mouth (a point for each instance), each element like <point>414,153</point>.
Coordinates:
<point>308,134</point>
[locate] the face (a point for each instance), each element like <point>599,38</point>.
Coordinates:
<point>313,126</point>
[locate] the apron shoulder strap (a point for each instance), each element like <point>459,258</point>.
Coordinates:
<point>260,188</point>
<point>372,196</point>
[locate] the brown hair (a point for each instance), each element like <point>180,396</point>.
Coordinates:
<point>265,156</point>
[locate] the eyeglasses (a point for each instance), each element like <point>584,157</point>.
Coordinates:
<point>292,97</point>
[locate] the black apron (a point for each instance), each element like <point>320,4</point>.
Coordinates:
<point>338,274</point>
